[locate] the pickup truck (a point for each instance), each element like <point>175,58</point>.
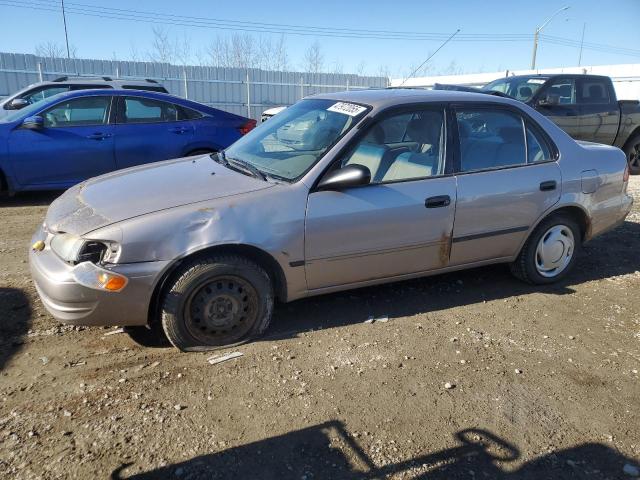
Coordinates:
<point>584,106</point>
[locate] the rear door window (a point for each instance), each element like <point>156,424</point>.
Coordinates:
<point>148,110</point>
<point>593,92</point>
<point>490,139</point>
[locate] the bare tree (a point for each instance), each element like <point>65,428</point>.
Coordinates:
<point>162,48</point>
<point>54,50</point>
<point>280,54</point>
<point>182,50</point>
<point>360,69</point>
<point>337,67</point>
<point>313,58</point>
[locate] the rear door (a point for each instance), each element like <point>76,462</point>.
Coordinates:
<point>75,143</point>
<point>149,130</point>
<point>599,112</point>
<point>566,112</point>
<point>504,182</point>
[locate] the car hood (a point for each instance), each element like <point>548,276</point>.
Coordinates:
<point>136,191</point>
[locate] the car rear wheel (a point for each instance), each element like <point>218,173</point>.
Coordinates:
<point>632,150</point>
<point>550,251</point>
<point>216,302</point>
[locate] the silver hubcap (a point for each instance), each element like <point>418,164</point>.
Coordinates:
<point>554,251</point>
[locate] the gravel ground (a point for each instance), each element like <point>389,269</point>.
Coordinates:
<point>543,382</point>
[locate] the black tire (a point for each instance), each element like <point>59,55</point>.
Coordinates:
<point>632,151</point>
<point>151,336</point>
<point>216,302</point>
<point>525,266</point>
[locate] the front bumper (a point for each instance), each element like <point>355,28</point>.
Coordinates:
<point>72,303</point>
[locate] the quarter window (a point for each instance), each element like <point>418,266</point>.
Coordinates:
<point>490,139</point>
<point>403,147</point>
<point>147,110</point>
<point>537,148</point>
<point>78,112</point>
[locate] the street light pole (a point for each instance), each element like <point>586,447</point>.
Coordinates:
<point>66,36</point>
<point>536,35</point>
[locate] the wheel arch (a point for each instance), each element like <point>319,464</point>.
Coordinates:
<point>577,212</point>
<point>634,133</point>
<point>261,257</point>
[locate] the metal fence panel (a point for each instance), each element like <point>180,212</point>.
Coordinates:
<point>235,90</point>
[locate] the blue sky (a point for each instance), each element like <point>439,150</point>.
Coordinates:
<point>612,23</point>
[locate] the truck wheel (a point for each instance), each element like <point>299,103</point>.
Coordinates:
<point>550,251</point>
<point>216,302</point>
<point>632,151</point>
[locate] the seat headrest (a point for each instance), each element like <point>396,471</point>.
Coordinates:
<point>595,92</point>
<point>426,128</point>
<point>526,92</point>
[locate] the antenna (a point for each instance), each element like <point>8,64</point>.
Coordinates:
<point>431,56</point>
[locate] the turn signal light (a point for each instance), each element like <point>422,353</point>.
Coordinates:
<point>92,276</point>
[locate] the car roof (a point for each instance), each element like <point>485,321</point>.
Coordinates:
<point>552,75</point>
<point>383,98</point>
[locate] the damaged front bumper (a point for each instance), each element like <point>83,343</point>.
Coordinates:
<point>72,303</point>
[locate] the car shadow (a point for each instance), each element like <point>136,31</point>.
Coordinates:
<point>328,451</point>
<point>30,199</point>
<point>16,318</point>
<point>612,254</point>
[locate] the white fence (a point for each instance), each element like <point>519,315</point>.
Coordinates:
<point>242,91</point>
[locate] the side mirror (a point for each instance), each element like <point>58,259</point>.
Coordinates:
<point>353,175</point>
<point>550,99</point>
<point>17,104</point>
<point>34,123</point>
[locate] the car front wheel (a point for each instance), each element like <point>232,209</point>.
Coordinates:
<point>216,302</point>
<point>550,251</point>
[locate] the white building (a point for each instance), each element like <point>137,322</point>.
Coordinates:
<point>626,78</point>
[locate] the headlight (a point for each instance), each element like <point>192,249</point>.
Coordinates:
<point>74,249</point>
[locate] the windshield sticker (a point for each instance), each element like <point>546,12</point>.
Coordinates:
<point>536,80</point>
<point>350,109</point>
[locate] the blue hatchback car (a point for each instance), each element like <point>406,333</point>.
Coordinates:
<point>70,137</point>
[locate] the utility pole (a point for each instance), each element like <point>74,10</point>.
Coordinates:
<point>536,36</point>
<point>581,43</point>
<point>66,36</point>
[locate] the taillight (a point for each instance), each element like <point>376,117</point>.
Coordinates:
<point>247,127</point>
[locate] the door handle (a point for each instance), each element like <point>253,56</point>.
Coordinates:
<point>98,136</point>
<point>178,130</point>
<point>438,201</point>
<point>548,185</point>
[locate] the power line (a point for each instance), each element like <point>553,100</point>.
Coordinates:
<point>150,17</point>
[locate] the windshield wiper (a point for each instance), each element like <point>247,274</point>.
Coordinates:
<point>247,167</point>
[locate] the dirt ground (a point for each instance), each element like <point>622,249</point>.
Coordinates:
<point>545,381</point>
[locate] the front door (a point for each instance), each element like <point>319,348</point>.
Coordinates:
<point>399,224</point>
<point>504,186</point>
<point>75,143</point>
<point>565,112</point>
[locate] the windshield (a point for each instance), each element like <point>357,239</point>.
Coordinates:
<point>520,88</point>
<point>292,142</point>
